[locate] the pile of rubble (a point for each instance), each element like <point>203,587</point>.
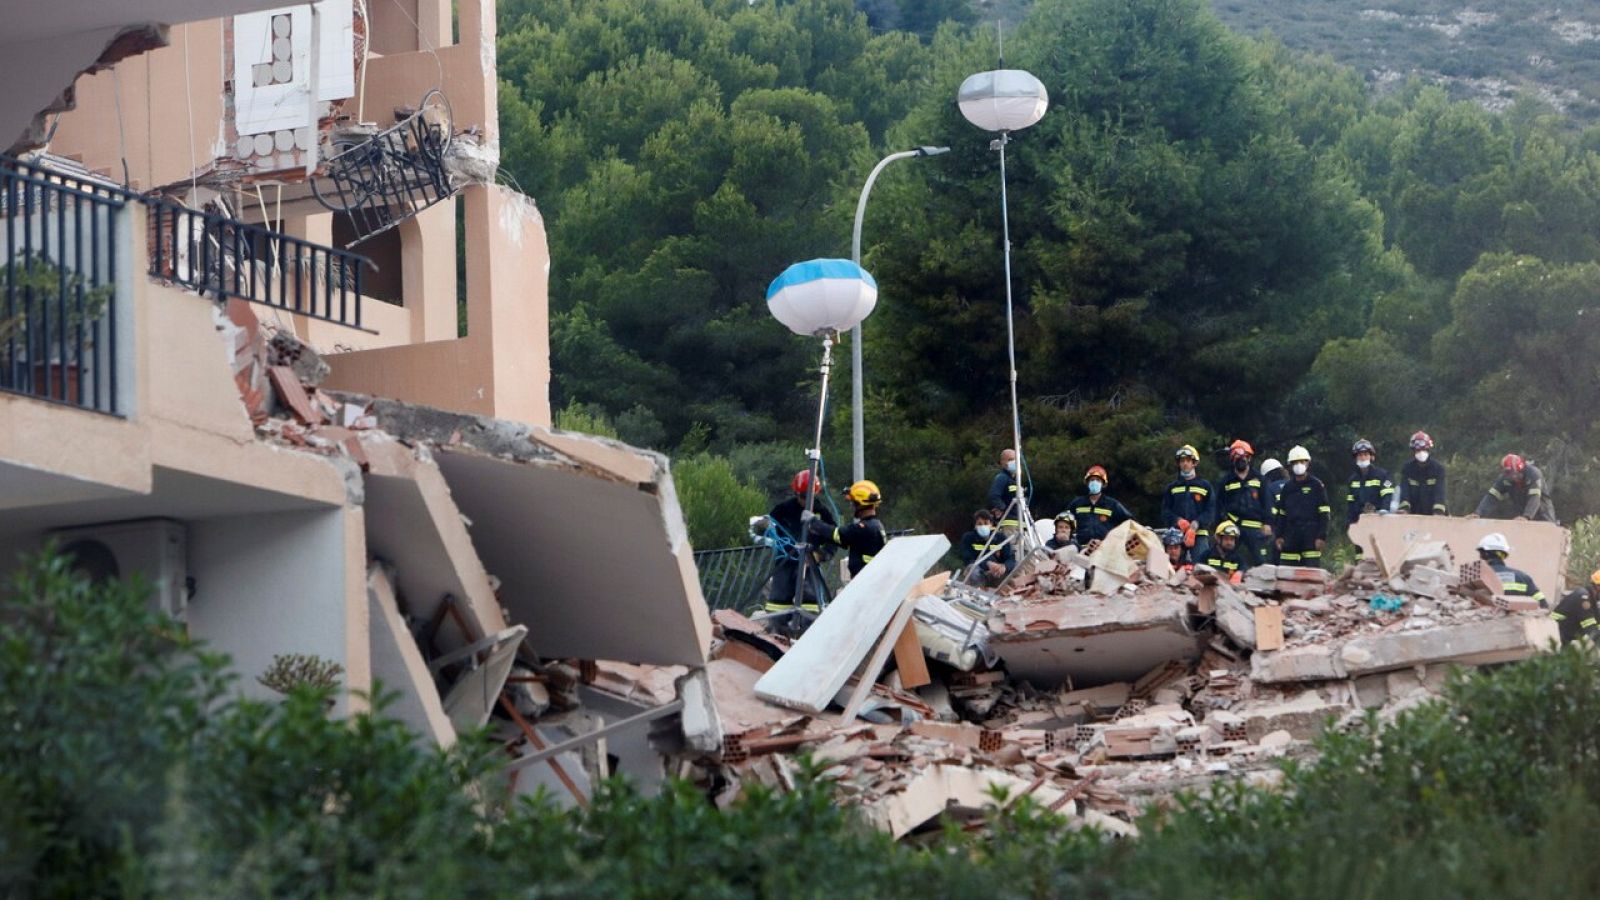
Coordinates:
<point>1094,683</point>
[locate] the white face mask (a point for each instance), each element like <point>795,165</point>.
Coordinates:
<point>1011,466</point>
<point>1095,485</point>
<point>1299,468</point>
<point>984,530</point>
<point>1363,463</point>
<point>1421,455</point>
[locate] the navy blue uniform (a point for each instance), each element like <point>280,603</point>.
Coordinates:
<point>1517,583</point>
<point>1508,498</point>
<point>785,518</point>
<point>1422,488</point>
<point>1227,563</point>
<point>1192,499</point>
<point>972,546</point>
<point>1301,519</point>
<point>1095,518</point>
<point>1575,616</point>
<point>1243,501</point>
<point>1002,491</point>
<point>863,538</point>
<point>1368,487</point>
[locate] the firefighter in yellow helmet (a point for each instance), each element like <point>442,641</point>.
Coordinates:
<point>863,537</point>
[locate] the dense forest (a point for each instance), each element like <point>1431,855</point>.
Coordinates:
<point>1215,237</point>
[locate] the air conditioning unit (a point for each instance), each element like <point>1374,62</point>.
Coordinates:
<point>157,549</point>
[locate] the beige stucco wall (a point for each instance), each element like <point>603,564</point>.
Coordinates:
<point>171,110</point>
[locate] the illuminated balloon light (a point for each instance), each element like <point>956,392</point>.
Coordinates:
<point>1003,100</point>
<point>820,296</point>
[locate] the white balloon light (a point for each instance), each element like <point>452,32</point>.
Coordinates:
<point>1003,100</point>
<point>822,296</point>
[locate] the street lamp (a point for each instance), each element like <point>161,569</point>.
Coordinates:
<point>820,298</point>
<point>1007,100</point>
<point>858,439</point>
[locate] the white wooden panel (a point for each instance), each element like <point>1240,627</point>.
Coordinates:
<point>260,108</point>
<point>336,60</point>
<point>818,665</point>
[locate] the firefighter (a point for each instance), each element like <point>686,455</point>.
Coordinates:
<point>784,531</point>
<point>1187,503</point>
<point>1243,501</point>
<point>1225,555</point>
<point>1422,480</point>
<point>1370,488</point>
<point>1095,513</point>
<point>1173,541</point>
<point>1520,491</point>
<point>1301,516</point>
<point>1493,549</point>
<point>983,542</point>
<point>1575,614</point>
<point>863,537</point>
<point>1064,538</point>
<point>1273,476</point>
<point>1004,491</point>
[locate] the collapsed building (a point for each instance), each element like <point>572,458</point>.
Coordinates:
<point>282,349</point>
<point>273,338</point>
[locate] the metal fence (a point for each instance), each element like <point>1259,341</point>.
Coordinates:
<point>214,254</point>
<point>732,577</point>
<point>58,288</point>
<point>380,180</point>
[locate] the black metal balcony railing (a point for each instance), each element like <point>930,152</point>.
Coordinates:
<point>385,178</point>
<point>217,255</point>
<point>58,287</point>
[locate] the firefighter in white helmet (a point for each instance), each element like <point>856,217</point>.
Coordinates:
<point>1300,517</point>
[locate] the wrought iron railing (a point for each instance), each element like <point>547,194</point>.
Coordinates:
<point>214,254</point>
<point>382,179</point>
<point>58,287</point>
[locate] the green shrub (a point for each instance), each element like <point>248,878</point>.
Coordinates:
<point>717,506</point>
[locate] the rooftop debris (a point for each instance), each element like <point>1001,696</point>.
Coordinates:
<point>1098,703</point>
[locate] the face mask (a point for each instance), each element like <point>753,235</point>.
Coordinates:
<point>1095,485</point>
<point>1241,465</point>
<point>1011,466</point>
<point>1186,473</point>
<point>1363,463</point>
<point>1299,468</point>
<point>984,530</point>
<point>1421,455</point>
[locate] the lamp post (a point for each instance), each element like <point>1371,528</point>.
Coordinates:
<point>858,439</point>
<point>1007,100</point>
<point>819,298</point>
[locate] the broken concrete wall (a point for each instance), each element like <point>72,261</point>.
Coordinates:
<point>587,539</point>
<point>1092,640</point>
<point>1538,548</point>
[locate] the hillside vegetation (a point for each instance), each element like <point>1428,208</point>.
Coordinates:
<point>1215,237</point>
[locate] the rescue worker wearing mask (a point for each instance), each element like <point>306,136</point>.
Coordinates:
<point>1245,503</point>
<point>1004,490</point>
<point>1095,513</point>
<point>994,549</point>
<point>1301,516</point>
<point>1188,503</point>
<point>1370,488</point>
<point>1422,480</point>
<point>1065,523</point>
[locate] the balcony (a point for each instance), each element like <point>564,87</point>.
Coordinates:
<point>59,289</point>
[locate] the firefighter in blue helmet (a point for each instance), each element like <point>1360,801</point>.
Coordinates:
<point>1370,488</point>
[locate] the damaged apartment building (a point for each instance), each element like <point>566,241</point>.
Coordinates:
<point>239,356</point>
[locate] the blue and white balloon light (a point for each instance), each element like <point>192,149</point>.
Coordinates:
<point>822,296</point>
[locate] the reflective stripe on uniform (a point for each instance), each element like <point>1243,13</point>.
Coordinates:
<point>1588,623</point>
<point>785,607</point>
<point>1325,508</point>
<point>1289,557</point>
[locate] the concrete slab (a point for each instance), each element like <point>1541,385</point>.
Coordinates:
<point>592,556</point>
<point>1092,640</point>
<point>1469,644</point>
<point>1538,548</point>
<point>397,664</point>
<point>819,664</point>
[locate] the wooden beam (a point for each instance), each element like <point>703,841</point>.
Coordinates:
<point>869,675</point>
